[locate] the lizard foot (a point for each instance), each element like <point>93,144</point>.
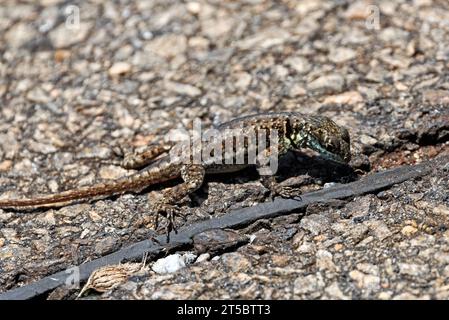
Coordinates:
<point>169,211</point>
<point>283,189</point>
<point>285,192</point>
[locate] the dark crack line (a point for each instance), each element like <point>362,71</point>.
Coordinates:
<point>234,219</point>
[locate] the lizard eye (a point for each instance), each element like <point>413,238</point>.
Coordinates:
<point>334,145</point>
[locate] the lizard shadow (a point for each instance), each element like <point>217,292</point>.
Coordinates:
<point>317,169</point>
<point>294,164</point>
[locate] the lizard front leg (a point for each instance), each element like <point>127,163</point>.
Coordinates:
<point>284,189</point>
<point>193,176</point>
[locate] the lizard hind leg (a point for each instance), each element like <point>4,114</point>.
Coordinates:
<point>137,159</point>
<point>193,176</point>
<point>141,158</point>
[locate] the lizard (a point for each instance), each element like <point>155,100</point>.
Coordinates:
<point>294,131</point>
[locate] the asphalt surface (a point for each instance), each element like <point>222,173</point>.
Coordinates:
<point>78,79</point>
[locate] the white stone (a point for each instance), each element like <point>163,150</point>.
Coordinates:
<point>173,263</point>
<point>119,68</point>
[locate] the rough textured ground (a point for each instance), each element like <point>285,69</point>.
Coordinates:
<point>131,71</point>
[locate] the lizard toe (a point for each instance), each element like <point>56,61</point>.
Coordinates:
<point>287,192</point>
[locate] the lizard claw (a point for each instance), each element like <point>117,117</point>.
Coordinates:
<point>170,211</point>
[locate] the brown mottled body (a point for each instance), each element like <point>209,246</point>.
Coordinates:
<point>294,131</point>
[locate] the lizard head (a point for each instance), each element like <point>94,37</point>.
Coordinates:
<point>323,135</point>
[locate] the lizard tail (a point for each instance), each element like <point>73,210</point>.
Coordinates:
<point>133,182</point>
<point>101,189</point>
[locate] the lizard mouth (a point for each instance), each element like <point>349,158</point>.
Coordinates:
<point>332,156</point>
<point>316,146</point>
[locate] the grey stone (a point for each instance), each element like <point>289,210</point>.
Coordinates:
<point>341,55</point>
<point>65,36</point>
<point>310,285</point>
<point>20,34</point>
<point>329,84</point>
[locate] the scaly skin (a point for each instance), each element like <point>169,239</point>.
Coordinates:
<point>295,131</point>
